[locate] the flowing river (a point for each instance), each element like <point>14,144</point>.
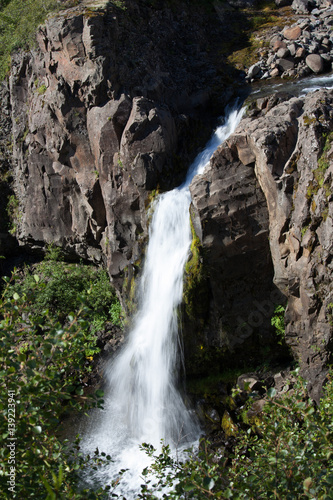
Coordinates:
<point>142,402</point>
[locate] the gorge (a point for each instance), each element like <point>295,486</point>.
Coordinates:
<point>102,120</point>
<point>142,402</point>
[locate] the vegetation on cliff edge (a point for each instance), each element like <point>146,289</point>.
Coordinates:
<point>18,24</point>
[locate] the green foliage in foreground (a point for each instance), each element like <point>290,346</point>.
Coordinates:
<point>284,453</point>
<point>19,20</point>
<point>41,363</point>
<point>287,455</point>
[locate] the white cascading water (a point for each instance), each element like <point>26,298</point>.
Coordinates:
<point>142,403</point>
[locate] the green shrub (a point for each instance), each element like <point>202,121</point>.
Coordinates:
<point>13,213</point>
<point>41,363</point>
<point>287,456</point>
<point>64,287</point>
<point>277,321</point>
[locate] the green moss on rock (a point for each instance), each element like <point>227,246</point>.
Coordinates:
<point>195,284</point>
<point>228,426</point>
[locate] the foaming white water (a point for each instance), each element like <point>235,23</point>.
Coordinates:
<point>298,87</point>
<point>317,83</point>
<point>142,403</point>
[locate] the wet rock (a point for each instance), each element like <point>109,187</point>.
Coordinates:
<point>234,240</point>
<point>247,382</point>
<point>228,425</point>
<point>253,71</point>
<point>274,73</point>
<point>253,414</point>
<point>213,416</point>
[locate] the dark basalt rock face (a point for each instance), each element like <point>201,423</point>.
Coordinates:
<point>102,115</point>
<point>8,243</point>
<point>270,187</point>
<point>231,211</point>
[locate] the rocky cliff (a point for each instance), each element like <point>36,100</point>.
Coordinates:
<point>270,188</point>
<point>103,115</point>
<point>111,108</point>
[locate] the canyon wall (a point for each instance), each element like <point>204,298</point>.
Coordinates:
<point>103,116</point>
<point>264,206</point>
<point>110,109</point>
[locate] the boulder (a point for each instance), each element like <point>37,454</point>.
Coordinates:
<point>300,53</point>
<point>279,44</point>
<point>292,33</point>
<point>301,6</point>
<point>315,62</point>
<point>283,53</point>
<point>285,64</point>
<point>253,71</point>
<point>274,73</point>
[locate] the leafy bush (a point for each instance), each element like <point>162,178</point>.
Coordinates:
<point>287,456</point>
<point>64,287</point>
<point>41,366</point>
<point>277,321</point>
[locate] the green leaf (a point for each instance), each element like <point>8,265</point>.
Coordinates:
<point>48,488</point>
<point>307,484</point>
<point>60,476</point>
<point>16,296</point>
<point>329,479</point>
<point>208,483</point>
<point>37,429</point>
<point>271,392</point>
<point>36,278</point>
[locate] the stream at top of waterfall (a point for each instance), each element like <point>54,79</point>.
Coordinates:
<point>142,403</point>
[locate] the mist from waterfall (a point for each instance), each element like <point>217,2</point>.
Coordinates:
<point>142,402</point>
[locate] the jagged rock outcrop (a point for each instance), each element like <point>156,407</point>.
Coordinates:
<point>271,184</point>
<point>8,242</point>
<point>228,201</point>
<point>97,112</point>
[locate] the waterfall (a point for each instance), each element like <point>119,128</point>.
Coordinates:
<point>142,403</point>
